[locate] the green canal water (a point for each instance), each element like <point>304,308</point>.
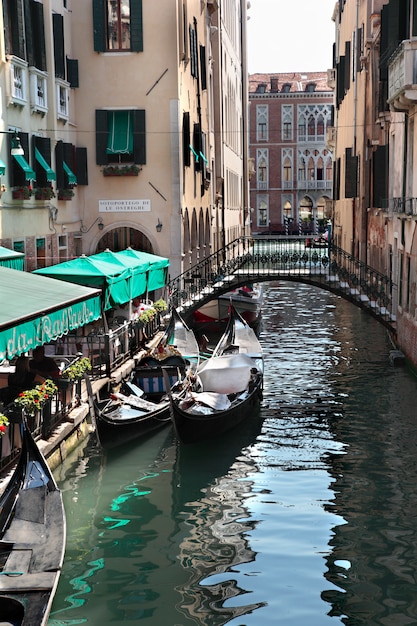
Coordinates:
<point>306,516</point>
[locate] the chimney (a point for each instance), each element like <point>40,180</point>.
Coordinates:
<point>274,84</point>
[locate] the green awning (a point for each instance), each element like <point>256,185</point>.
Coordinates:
<point>120,139</point>
<point>72,179</point>
<point>112,279</point>
<point>29,173</point>
<point>11,258</point>
<point>50,174</point>
<point>2,168</point>
<point>35,310</point>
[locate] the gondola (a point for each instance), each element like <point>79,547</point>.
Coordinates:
<point>32,544</point>
<point>226,389</point>
<point>142,406</point>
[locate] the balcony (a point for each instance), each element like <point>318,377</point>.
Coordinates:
<point>402,76</point>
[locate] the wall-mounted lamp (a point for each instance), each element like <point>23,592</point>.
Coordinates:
<point>16,146</point>
<point>100,224</point>
<point>159,226</point>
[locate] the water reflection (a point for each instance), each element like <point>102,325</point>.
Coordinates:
<point>306,516</point>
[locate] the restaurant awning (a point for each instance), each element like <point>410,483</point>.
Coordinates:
<point>121,275</point>
<point>158,266</point>
<point>35,310</point>
<point>86,270</point>
<point>11,258</point>
<point>138,269</point>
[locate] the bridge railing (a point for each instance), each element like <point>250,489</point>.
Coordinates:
<point>282,257</point>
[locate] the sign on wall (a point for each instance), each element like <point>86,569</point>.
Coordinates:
<point>124,206</point>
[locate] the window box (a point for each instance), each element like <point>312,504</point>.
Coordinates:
<point>121,170</point>
<point>22,193</point>
<point>44,193</point>
<point>65,194</point>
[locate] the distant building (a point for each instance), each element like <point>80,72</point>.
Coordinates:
<point>291,183</point>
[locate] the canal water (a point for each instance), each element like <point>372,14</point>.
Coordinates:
<point>306,516</point>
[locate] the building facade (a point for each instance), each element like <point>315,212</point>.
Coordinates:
<point>375,208</point>
<point>132,118</point>
<point>291,185</point>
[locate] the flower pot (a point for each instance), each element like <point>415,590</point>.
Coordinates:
<point>20,194</point>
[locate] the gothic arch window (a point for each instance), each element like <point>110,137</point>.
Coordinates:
<point>311,128</point>
<point>320,127</point>
<point>262,130</point>
<point>262,218</point>
<point>287,164</point>
<point>301,127</point>
<point>262,168</point>
<point>320,169</point>
<point>287,114</point>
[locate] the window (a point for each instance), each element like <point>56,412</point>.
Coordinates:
<point>262,169</point>
<point>17,81</point>
<point>65,165</point>
<point>118,25</point>
<point>120,137</point>
<point>40,252</point>
<point>42,161</point>
<point>38,91</point>
<point>62,248</point>
<point>262,212</point>
<point>262,122</point>
<point>287,121</point>
<point>62,99</point>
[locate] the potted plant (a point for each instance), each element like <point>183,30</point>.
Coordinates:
<point>44,193</point>
<point>23,192</point>
<point>160,305</point>
<point>65,194</point>
<point>4,422</point>
<point>121,170</point>
<point>147,316</point>
<point>76,370</point>
<point>32,400</point>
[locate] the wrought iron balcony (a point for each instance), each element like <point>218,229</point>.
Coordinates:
<point>402,76</point>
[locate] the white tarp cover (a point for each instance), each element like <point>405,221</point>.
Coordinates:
<point>226,374</point>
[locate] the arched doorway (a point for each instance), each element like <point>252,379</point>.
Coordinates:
<point>124,237</point>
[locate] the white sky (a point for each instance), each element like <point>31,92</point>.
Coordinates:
<point>290,36</point>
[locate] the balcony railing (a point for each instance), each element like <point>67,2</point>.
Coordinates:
<point>402,74</point>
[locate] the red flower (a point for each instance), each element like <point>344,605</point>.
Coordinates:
<point>2,428</point>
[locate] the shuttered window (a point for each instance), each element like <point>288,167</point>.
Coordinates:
<point>120,137</point>
<point>118,26</point>
<point>186,139</point>
<point>42,161</point>
<point>72,73</point>
<point>351,174</point>
<point>65,165</point>
<point>59,54</point>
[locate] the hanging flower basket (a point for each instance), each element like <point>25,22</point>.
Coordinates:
<point>22,193</point>
<point>121,170</point>
<point>44,193</point>
<point>65,194</point>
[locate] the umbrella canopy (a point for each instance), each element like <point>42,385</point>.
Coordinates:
<point>111,278</point>
<point>11,258</point>
<point>35,310</point>
<point>137,267</point>
<point>158,270</point>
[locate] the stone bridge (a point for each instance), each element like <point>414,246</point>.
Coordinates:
<point>289,258</point>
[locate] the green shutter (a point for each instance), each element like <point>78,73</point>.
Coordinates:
<point>81,166</point>
<point>99,22</point>
<point>139,137</point>
<point>101,137</point>
<point>136,26</point>
<point>72,73</point>
<point>50,174</point>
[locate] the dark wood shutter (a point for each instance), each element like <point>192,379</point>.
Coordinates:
<point>59,54</point>
<point>336,179</point>
<point>72,73</point>
<point>136,26</point>
<point>203,68</point>
<point>347,66</point>
<point>81,167</point>
<point>380,177</point>
<point>99,24</point>
<point>43,144</point>
<point>59,160</point>
<point>351,174</point>
<point>139,137</point>
<point>414,24</point>
<point>14,36</point>
<point>359,49</point>
<point>17,175</point>
<point>38,30</point>
<point>69,158</point>
<point>30,56</point>
<point>197,145</point>
<point>186,139</point>
<point>193,52</point>
<point>102,131</point>
<point>340,81</point>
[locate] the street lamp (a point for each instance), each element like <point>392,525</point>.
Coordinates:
<point>16,146</point>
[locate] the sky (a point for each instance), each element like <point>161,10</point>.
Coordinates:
<point>290,36</point>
